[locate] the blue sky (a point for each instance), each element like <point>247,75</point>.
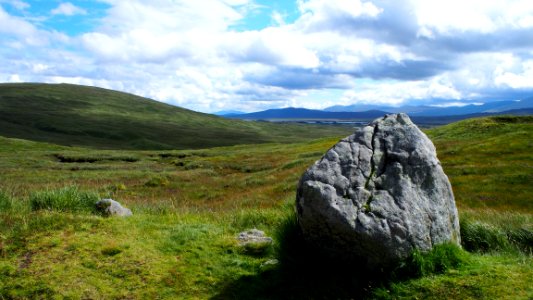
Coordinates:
<point>249,55</point>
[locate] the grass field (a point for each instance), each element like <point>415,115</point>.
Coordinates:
<point>189,205</point>
<point>74,115</point>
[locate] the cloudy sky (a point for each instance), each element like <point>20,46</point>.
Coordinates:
<point>249,55</point>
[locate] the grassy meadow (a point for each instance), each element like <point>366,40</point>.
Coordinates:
<point>189,205</point>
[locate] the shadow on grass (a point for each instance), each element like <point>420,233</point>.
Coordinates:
<point>305,273</point>
<point>302,273</point>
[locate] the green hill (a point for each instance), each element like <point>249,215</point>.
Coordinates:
<point>76,115</point>
<point>488,161</point>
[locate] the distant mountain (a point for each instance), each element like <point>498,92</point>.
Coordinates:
<point>292,113</point>
<point>75,115</point>
<point>318,116</point>
<point>367,107</point>
<point>228,113</point>
<point>490,107</point>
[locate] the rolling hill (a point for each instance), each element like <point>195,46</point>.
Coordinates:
<point>76,115</point>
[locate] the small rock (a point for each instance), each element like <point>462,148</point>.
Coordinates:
<point>254,241</point>
<point>110,207</point>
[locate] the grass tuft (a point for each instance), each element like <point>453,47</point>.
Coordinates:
<point>67,199</point>
<point>157,181</point>
<point>502,232</point>
<point>437,261</point>
<point>482,237</point>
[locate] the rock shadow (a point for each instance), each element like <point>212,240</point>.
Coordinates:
<point>304,273</point>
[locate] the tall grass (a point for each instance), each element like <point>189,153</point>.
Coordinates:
<point>6,202</point>
<point>67,199</point>
<point>437,261</point>
<point>10,204</point>
<point>497,232</point>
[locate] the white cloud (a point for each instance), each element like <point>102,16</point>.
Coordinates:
<point>23,32</point>
<point>37,68</point>
<point>68,9</point>
<point>17,4</point>
<point>473,15</point>
<point>516,78</point>
<point>337,51</point>
<point>399,92</point>
<point>276,46</point>
<point>278,18</point>
<point>456,104</point>
<point>15,78</point>
<point>15,26</point>
<point>324,9</point>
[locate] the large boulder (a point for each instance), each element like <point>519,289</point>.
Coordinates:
<point>377,195</point>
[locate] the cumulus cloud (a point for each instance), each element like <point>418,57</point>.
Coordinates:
<point>190,53</point>
<point>15,26</point>
<point>396,92</point>
<point>18,33</point>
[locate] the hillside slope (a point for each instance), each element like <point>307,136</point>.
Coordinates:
<point>93,117</point>
<point>488,161</point>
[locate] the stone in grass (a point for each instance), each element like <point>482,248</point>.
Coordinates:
<point>110,207</point>
<point>377,195</point>
<point>254,241</point>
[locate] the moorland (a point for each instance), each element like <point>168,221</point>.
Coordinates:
<point>189,204</point>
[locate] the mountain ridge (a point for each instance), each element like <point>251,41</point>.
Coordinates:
<point>303,114</point>
<point>426,111</point>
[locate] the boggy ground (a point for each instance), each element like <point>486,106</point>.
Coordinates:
<point>189,206</point>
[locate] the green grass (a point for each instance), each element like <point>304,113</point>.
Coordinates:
<point>488,161</point>
<point>498,276</point>
<point>189,206</point>
<point>67,199</point>
<point>73,115</point>
<point>6,202</point>
<point>486,231</point>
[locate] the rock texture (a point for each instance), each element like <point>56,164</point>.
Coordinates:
<point>377,195</point>
<point>110,207</point>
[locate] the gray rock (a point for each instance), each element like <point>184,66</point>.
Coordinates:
<point>254,241</point>
<point>377,195</point>
<point>110,207</point>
